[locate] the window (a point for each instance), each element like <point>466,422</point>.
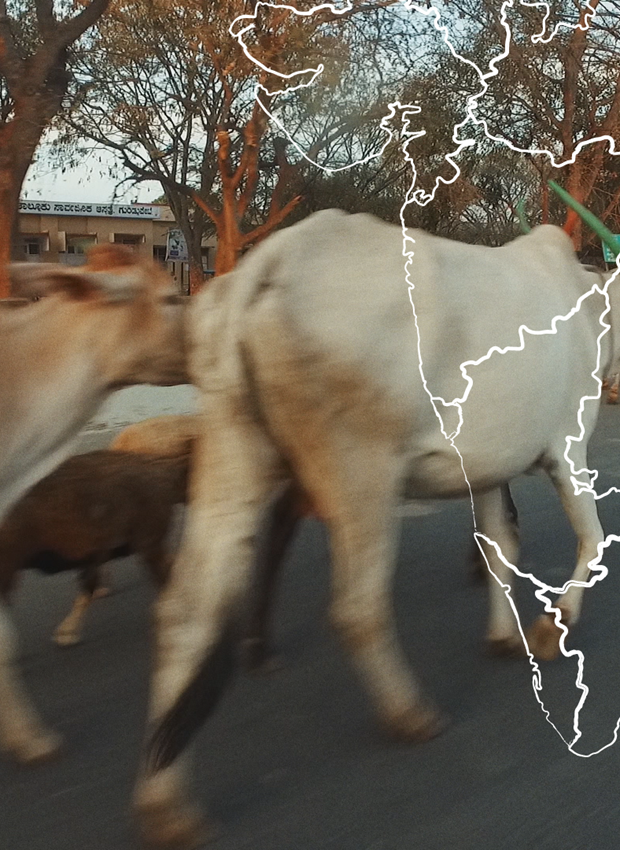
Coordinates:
<point>206,256</point>
<point>131,239</point>
<point>79,244</point>
<point>33,245</point>
<point>159,253</point>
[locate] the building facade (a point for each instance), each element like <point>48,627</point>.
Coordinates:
<point>62,232</point>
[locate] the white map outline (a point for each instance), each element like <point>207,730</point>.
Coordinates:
<point>422,198</point>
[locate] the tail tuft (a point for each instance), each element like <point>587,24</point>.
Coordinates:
<point>181,722</point>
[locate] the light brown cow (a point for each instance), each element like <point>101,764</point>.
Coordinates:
<point>106,325</point>
<point>167,436</point>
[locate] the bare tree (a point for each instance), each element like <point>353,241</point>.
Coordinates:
<point>168,88</point>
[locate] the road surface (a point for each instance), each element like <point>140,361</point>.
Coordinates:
<point>294,761</point>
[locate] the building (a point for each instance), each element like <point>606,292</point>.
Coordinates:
<point>61,232</point>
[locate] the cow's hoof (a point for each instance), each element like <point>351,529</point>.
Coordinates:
<point>543,638</point>
<point>66,638</point>
<point>168,828</point>
<point>38,749</point>
<point>415,725</point>
<point>510,647</point>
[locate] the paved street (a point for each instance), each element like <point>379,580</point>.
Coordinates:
<point>294,761</point>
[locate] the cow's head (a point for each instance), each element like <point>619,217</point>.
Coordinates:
<point>137,318</point>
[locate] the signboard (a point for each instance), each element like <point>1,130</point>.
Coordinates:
<point>607,253</point>
<point>76,208</point>
<point>176,247</point>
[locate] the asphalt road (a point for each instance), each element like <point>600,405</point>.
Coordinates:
<point>294,761</point>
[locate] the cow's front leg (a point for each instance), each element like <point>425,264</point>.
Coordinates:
<point>69,631</point>
<point>545,635</point>
<point>613,387</point>
<point>198,618</point>
<point>21,732</point>
<point>494,512</point>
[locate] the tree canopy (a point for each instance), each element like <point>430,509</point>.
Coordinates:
<point>248,127</point>
<point>36,38</point>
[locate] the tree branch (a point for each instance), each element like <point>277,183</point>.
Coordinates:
<point>72,28</point>
<point>11,64</point>
<point>45,17</point>
<point>273,220</point>
<point>252,135</point>
<point>611,206</point>
<point>204,206</point>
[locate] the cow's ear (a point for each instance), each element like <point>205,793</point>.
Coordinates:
<point>37,280</point>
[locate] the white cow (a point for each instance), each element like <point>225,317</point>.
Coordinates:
<point>308,360</point>
<point>104,326</point>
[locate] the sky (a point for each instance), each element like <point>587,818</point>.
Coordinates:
<point>90,181</point>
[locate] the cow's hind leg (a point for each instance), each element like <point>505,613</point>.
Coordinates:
<point>496,519</point>
<point>354,484</point>
<point>480,571</point>
<point>21,732</point>
<point>151,543</point>
<point>199,615</point>
<point>363,540</point>
<point>104,585</point>
<point>281,522</point>
<point>343,433</point>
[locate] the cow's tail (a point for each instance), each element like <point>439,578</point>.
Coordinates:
<point>217,365</point>
<point>244,636</point>
<point>182,721</point>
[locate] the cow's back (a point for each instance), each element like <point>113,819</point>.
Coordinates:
<point>327,305</point>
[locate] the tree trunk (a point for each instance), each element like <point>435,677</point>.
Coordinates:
<point>545,203</point>
<point>19,140</point>
<point>229,245</point>
<point>34,88</point>
<point>10,184</point>
<point>196,276</point>
<point>5,250</point>
<point>574,186</point>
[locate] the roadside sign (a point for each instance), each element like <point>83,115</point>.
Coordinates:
<point>176,247</point>
<point>608,255</point>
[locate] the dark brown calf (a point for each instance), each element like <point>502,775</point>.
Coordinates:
<point>93,508</point>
